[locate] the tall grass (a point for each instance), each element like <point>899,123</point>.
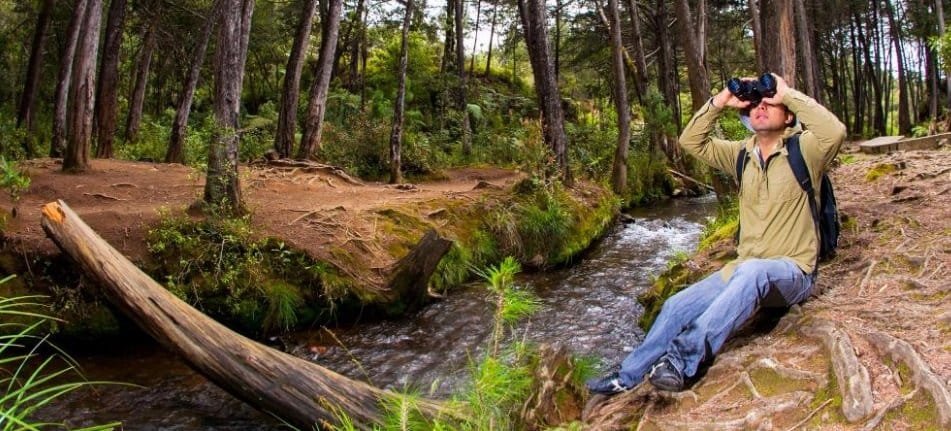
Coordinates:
<point>31,378</point>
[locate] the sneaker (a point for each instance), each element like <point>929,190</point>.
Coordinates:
<point>608,385</point>
<point>666,377</point>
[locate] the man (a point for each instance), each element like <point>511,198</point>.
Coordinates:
<point>778,240</point>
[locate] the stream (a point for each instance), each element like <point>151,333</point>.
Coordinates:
<point>590,307</point>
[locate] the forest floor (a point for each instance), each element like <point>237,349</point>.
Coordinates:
<point>314,208</point>
<point>871,351</point>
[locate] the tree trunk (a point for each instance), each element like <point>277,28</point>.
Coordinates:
<point>284,141</point>
<point>409,284</point>
<point>810,64</point>
<point>475,36</point>
<point>488,57</point>
<point>558,39</point>
<point>313,129</point>
<point>297,391</point>
<point>37,51</point>
<point>904,116</point>
<point>693,51</point>
<point>107,111</point>
<point>785,58</point>
<point>134,120</point>
<point>396,134</point>
<point>619,172</point>
<point>532,14</point>
<point>757,35</point>
<point>222,189</point>
<point>355,43</point>
<point>939,8</point>
<point>448,47</point>
<point>640,62</point>
<point>83,91</point>
<point>461,103</point>
<point>858,91</point>
<point>176,153</point>
<point>64,78</point>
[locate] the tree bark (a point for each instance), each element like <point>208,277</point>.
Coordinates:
<point>640,61</point>
<point>785,60</point>
<point>475,36</point>
<point>904,116</point>
<point>534,23</point>
<point>64,78</point>
<point>83,91</point>
<point>488,57</point>
<point>810,66</point>
<point>37,51</point>
<point>448,47</point>
<point>313,128</point>
<point>134,120</point>
<point>409,284</point>
<point>107,111</point>
<point>619,172</point>
<point>396,133</point>
<point>355,43</point>
<point>693,51</point>
<point>461,103</point>
<point>222,188</point>
<point>757,35</point>
<point>176,153</point>
<point>298,391</point>
<point>285,141</point>
<point>939,8</point>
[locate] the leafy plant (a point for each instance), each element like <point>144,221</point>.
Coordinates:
<point>13,179</point>
<point>32,379</point>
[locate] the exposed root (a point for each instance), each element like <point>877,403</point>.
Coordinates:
<point>810,415</point>
<point>745,378</point>
<point>924,378</point>
<point>758,417</point>
<point>896,403</point>
<point>852,377</point>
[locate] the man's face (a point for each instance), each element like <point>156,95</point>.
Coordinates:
<point>769,118</point>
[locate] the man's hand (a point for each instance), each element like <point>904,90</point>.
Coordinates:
<point>781,89</point>
<point>725,98</point>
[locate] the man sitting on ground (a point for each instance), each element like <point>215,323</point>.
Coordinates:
<point>778,237</point>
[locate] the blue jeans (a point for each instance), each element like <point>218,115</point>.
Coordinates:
<point>695,322</point>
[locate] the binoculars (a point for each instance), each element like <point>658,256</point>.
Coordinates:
<point>753,91</point>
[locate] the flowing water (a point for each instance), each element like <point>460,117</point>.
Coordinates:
<point>590,307</point>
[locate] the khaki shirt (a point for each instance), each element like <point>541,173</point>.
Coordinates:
<point>775,218</point>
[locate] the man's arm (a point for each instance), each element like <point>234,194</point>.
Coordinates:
<point>824,132</point>
<point>696,139</point>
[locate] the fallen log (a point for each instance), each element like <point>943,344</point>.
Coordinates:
<point>300,392</point>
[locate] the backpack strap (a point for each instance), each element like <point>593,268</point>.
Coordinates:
<point>740,165</point>
<point>801,172</point>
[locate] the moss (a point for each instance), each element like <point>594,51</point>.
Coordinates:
<point>770,383</point>
<point>879,170</point>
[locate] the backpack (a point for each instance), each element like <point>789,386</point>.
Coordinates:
<point>826,216</point>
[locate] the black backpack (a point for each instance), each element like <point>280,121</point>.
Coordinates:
<point>827,215</point>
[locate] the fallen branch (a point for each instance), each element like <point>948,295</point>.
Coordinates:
<point>688,178</point>
<point>810,415</point>
<point>300,392</point>
<point>104,196</point>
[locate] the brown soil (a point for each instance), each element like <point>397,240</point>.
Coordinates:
<point>872,351</point>
<point>313,208</point>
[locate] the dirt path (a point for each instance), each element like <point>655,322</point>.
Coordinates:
<point>308,208</point>
<point>873,351</point>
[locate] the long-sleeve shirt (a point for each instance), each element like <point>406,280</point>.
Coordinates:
<point>775,217</point>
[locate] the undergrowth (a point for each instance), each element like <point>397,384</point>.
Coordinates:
<point>221,267</point>
<point>501,382</point>
<point>35,372</point>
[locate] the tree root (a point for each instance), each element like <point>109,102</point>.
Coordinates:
<point>852,377</point>
<point>756,418</point>
<point>896,403</point>
<point>900,350</point>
